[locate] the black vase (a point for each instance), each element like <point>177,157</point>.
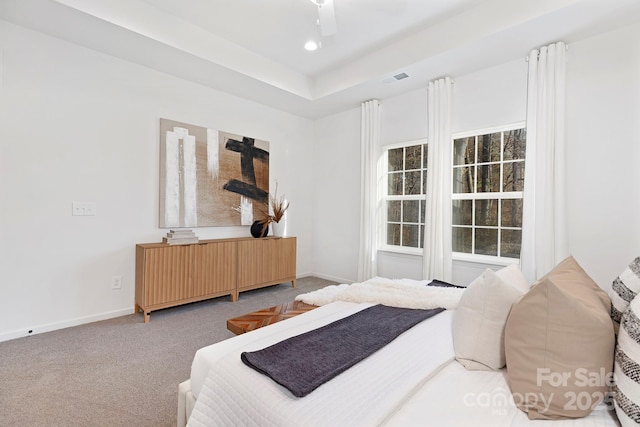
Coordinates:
<point>259,229</point>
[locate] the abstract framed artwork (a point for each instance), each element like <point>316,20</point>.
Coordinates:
<point>210,177</point>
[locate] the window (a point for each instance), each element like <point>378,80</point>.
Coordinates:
<point>404,181</point>
<point>488,179</point>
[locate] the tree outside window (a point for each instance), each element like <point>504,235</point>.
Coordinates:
<point>488,181</point>
<point>405,178</point>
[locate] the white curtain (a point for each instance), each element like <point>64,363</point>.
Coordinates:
<point>369,148</point>
<point>436,260</point>
<point>544,225</point>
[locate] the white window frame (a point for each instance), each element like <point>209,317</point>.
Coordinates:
<point>481,258</point>
<point>383,186</point>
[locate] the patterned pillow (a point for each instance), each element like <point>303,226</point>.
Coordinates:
<point>627,367</point>
<point>623,290</point>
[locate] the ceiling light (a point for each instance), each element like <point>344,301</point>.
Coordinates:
<point>311,45</point>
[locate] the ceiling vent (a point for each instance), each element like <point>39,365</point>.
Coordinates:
<point>395,78</point>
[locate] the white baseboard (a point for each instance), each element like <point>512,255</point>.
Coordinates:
<point>327,277</point>
<point>64,324</point>
<point>39,329</point>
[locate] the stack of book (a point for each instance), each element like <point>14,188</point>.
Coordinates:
<point>180,237</point>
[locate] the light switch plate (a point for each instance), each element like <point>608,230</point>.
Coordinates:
<point>83,209</point>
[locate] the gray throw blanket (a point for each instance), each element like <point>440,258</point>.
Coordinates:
<point>305,362</point>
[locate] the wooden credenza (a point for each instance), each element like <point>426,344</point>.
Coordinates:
<point>171,275</point>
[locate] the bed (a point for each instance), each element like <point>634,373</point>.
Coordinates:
<point>415,380</point>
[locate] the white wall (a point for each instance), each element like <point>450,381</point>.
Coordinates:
<point>603,151</point>
<point>336,201</point>
<point>78,125</point>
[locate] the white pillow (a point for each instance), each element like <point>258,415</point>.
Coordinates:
<point>627,367</point>
<point>479,321</point>
<point>514,277</point>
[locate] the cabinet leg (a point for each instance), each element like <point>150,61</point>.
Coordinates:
<point>293,283</point>
<point>234,296</point>
<point>147,316</point>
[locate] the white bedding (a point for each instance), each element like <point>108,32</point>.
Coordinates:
<point>406,293</point>
<point>366,394</point>
<point>414,381</point>
<point>457,397</point>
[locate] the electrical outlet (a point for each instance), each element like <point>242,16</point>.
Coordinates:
<point>116,282</point>
<point>83,208</point>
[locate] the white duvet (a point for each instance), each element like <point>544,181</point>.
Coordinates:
<point>457,397</point>
<point>232,394</point>
<point>414,381</point>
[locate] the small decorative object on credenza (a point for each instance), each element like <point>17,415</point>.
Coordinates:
<point>180,237</point>
<point>274,213</point>
<point>260,228</point>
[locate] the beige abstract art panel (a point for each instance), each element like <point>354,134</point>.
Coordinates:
<point>209,177</point>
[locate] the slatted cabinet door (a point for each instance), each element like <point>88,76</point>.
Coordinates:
<point>263,262</point>
<point>215,269</point>
<point>167,276</point>
<point>285,261</point>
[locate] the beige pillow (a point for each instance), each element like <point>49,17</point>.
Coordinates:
<point>479,321</point>
<point>558,337</point>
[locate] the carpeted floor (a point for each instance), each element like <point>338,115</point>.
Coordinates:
<point>119,372</point>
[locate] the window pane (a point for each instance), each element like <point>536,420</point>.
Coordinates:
<point>393,210</point>
<point>515,144</point>
<point>393,234</point>
<point>461,239</point>
<point>513,176</point>
<point>464,151</point>
<point>463,179</point>
<point>487,241</point>
<point>462,212</point>
<point>488,178</point>
<point>410,235</point>
<point>412,182</point>
<point>424,181</point>
<point>395,184</point>
<point>425,152</point>
<point>511,213</point>
<point>407,184</point>
<point>483,166</point>
<point>395,159</point>
<point>410,211</point>
<point>487,213</point>
<point>413,157</point>
<point>421,241</point>
<point>510,243</point>
<point>489,148</point>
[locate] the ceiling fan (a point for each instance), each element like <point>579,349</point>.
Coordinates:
<point>326,17</point>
